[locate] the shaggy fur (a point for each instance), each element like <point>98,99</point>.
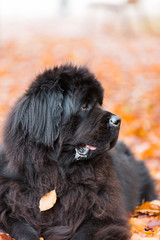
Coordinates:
<point>57,136</point>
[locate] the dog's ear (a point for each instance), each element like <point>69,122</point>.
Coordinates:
<point>38,116</point>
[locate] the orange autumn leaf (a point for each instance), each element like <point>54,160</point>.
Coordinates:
<point>147,227</point>
<point>145,223</point>
<point>150,208</point>
<point>48,201</point>
<point>4,236</point>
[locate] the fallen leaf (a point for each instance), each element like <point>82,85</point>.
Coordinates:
<point>150,208</point>
<point>48,201</point>
<point>5,236</point>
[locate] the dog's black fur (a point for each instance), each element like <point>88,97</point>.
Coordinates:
<point>57,136</point>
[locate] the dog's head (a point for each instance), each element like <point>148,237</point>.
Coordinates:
<point>63,109</point>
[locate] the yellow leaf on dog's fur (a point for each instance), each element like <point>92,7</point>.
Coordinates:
<point>48,201</point>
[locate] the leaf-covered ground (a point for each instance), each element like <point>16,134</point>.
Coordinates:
<point>129,69</point>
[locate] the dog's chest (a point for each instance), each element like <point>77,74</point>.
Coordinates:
<point>79,191</point>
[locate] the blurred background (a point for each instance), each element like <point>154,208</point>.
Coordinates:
<point>119,40</point>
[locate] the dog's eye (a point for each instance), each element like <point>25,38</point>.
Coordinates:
<point>85,106</point>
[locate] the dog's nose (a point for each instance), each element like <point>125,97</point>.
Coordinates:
<point>114,121</point>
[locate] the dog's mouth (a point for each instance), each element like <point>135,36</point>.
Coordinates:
<point>82,150</point>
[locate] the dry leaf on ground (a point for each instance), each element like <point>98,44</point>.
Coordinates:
<point>48,201</point>
<point>145,222</point>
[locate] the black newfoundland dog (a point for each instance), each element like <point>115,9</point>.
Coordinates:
<point>58,136</point>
